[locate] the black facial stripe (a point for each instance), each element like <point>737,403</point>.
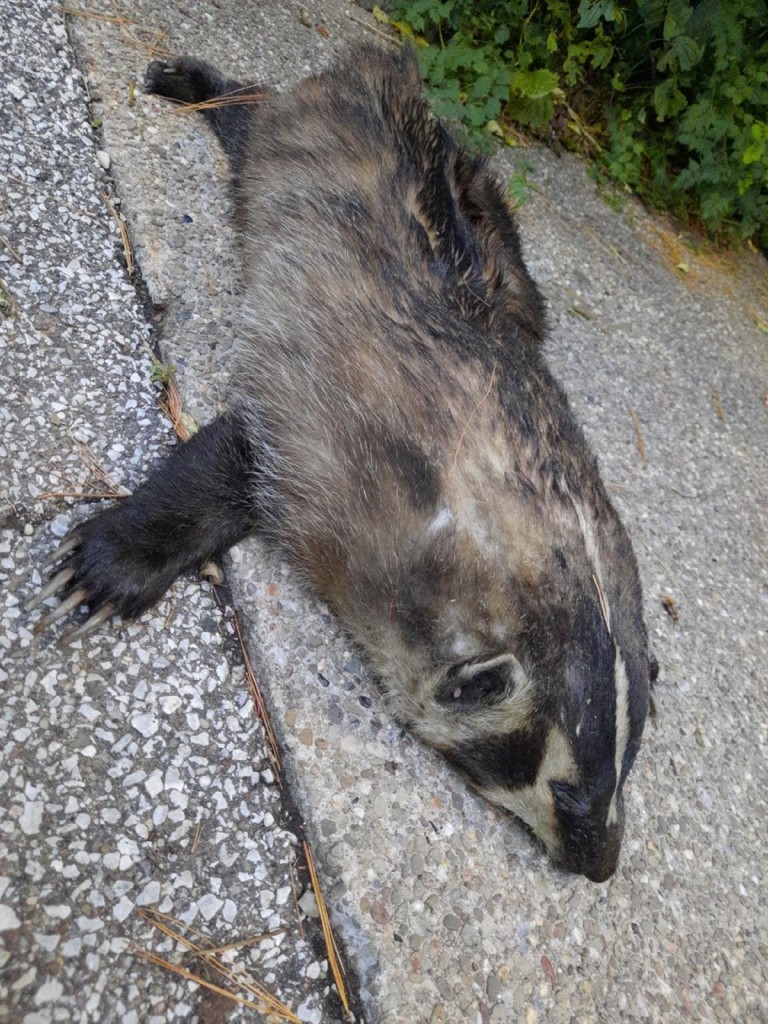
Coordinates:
<point>507,761</point>
<point>590,678</point>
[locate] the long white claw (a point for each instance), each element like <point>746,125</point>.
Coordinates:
<point>60,552</point>
<point>60,580</point>
<point>76,598</point>
<point>90,624</point>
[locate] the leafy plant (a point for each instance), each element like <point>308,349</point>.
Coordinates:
<point>669,97</point>
<point>162,373</point>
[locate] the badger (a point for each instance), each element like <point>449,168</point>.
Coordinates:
<point>394,432</point>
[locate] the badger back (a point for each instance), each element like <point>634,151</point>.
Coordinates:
<point>419,463</point>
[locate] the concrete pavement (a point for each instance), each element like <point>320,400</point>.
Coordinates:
<point>134,772</point>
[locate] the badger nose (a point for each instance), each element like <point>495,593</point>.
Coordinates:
<point>601,872</point>
<point>594,852</point>
<point>596,868</point>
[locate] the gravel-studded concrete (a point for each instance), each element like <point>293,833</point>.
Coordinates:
<point>133,769</point>
<point>448,911</point>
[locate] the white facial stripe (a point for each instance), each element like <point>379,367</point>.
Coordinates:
<point>622,727</point>
<point>536,804</point>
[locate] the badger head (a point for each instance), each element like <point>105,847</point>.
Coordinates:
<point>524,655</point>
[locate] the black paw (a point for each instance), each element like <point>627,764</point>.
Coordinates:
<point>183,79</point>
<point>99,565</point>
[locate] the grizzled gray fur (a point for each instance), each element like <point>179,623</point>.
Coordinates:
<point>394,430</point>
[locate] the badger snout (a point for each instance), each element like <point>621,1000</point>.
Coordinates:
<point>596,861</point>
<point>591,834</point>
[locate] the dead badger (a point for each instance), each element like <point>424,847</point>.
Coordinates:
<point>394,431</point>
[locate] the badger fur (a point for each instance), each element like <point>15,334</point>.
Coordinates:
<point>394,431</point>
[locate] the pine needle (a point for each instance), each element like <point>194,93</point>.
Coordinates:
<point>123,233</point>
<point>171,406</point>
<point>227,99</point>
<point>204,947</point>
<point>258,698</point>
<point>330,942</point>
<point>638,432</point>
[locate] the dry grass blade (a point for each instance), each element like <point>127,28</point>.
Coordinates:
<point>160,961</point>
<point>252,940</point>
<point>123,233</point>
<point>154,49</point>
<point>157,918</point>
<point>717,404</point>
<point>374,28</point>
<point>582,130</point>
<point>129,30</point>
<point>97,469</point>
<point>204,947</point>
<point>83,495</point>
<point>296,901</point>
<point>638,432</point>
<point>330,942</point>
<point>112,489</point>
<point>257,696</point>
<point>9,307</point>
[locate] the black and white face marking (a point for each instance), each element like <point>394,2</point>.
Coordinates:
<point>553,751</point>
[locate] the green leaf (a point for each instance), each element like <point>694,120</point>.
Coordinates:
<point>534,84</point>
<point>592,11</point>
<point>668,100</point>
<point>677,18</point>
<point>683,52</point>
<point>754,152</point>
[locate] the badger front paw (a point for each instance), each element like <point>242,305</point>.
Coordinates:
<point>191,509</point>
<point>101,564</point>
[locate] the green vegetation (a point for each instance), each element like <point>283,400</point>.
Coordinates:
<point>668,97</point>
<point>162,373</point>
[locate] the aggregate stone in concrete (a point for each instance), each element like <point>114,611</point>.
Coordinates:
<point>133,769</point>
<point>448,911</point>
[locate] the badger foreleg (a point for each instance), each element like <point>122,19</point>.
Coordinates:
<point>198,503</point>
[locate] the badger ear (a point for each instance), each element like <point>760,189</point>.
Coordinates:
<point>477,684</point>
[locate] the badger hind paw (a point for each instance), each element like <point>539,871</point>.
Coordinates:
<point>185,79</point>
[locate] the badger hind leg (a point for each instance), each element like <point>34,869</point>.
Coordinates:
<point>195,505</point>
<point>191,81</point>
